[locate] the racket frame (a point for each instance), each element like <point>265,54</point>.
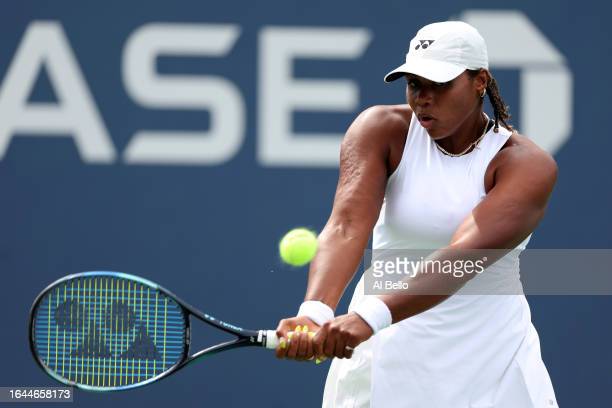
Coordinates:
<point>245,337</point>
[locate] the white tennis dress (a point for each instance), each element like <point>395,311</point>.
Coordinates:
<point>470,351</point>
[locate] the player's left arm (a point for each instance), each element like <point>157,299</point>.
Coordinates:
<point>522,177</point>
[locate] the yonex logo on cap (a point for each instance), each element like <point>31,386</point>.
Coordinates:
<point>424,44</point>
<point>450,47</point>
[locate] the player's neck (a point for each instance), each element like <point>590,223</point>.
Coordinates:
<point>470,131</point>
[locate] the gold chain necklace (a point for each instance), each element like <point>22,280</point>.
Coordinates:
<point>473,144</point>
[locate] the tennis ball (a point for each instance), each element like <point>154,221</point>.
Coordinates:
<point>298,246</point>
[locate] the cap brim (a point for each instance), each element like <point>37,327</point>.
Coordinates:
<point>436,71</point>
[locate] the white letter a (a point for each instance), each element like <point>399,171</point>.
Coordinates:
<point>45,44</point>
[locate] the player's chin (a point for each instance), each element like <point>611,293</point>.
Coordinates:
<point>436,133</point>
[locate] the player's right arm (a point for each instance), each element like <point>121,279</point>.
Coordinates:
<point>364,170</point>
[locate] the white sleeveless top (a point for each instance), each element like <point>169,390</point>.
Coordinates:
<point>471,351</point>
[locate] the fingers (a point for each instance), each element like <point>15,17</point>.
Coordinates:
<point>281,331</point>
<point>318,341</point>
<point>299,344</point>
<point>287,326</point>
<point>281,350</point>
<point>329,346</point>
<point>339,349</point>
<point>309,354</point>
<point>334,340</point>
<point>304,344</point>
<point>293,342</point>
<point>348,351</point>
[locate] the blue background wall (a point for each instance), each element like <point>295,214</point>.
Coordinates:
<point>209,233</point>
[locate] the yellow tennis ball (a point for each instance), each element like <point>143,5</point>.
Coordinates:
<point>298,246</point>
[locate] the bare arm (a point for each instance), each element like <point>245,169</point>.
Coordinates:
<point>524,177</point>
<point>361,186</point>
<point>522,181</point>
<point>359,197</point>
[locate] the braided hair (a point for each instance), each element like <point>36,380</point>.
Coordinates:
<point>501,111</point>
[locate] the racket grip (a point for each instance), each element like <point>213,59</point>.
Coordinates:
<point>270,340</point>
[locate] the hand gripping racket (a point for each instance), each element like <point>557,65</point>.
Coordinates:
<point>107,331</point>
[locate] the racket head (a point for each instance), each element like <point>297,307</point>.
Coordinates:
<point>108,331</point>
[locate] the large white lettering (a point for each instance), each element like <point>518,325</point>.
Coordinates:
<point>280,93</point>
<point>45,45</point>
<point>220,96</point>
<point>545,90</point>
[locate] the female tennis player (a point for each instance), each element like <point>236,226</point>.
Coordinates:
<point>433,173</point>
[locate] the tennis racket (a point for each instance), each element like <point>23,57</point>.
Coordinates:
<point>108,331</point>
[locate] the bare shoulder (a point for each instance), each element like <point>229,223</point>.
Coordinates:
<point>524,162</point>
<point>520,154</point>
<point>386,115</point>
<point>368,143</point>
<point>379,123</point>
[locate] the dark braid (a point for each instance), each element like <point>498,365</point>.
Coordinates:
<point>501,111</point>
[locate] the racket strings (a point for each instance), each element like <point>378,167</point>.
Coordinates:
<point>108,332</point>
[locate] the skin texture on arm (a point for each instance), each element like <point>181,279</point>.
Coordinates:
<point>359,196</point>
<point>519,181</point>
<point>364,169</point>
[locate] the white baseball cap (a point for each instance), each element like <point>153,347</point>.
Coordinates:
<point>441,51</point>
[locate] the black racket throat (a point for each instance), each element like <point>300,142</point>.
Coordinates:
<point>218,348</point>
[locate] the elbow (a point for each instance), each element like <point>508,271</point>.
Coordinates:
<point>345,227</point>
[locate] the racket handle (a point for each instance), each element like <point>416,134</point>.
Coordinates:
<point>270,340</point>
